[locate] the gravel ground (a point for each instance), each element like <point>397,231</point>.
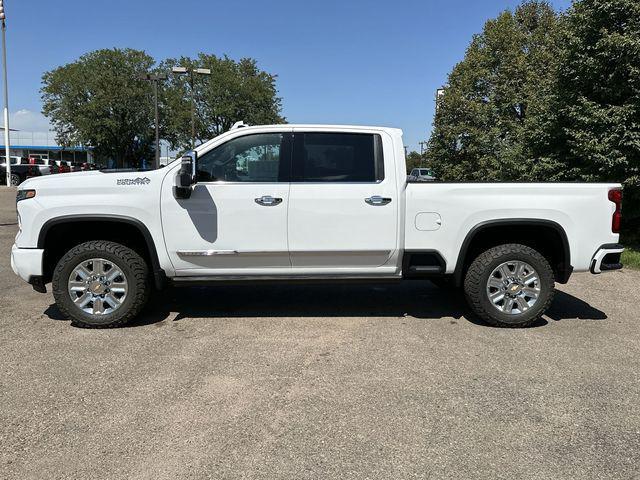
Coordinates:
<point>320,382</point>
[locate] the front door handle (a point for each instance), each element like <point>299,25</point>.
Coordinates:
<point>377,200</point>
<point>268,201</point>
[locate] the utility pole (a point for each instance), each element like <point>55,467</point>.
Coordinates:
<point>7,148</point>
<point>423,146</point>
<point>192,72</point>
<point>155,78</point>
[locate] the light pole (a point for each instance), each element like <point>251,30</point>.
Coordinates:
<point>155,78</point>
<point>7,150</point>
<point>439,94</point>
<point>192,72</point>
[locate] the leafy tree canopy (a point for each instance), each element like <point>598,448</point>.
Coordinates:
<point>99,100</point>
<point>497,101</point>
<point>414,160</point>
<point>543,96</point>
<point>599,91</point>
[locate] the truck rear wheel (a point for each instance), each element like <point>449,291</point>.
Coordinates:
<point>509,285</point>
<point>100,284</point>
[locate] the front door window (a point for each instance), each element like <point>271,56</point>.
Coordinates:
<point>251,158</point>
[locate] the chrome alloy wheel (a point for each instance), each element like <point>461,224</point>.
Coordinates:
<point>97,286</point>
<point>513,287</point>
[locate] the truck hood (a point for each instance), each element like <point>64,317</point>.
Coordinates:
<point>93,179</point>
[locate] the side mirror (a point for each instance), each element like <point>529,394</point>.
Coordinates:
<point>186,175</point>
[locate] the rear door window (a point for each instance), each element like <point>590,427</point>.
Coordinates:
<point>337,157</point>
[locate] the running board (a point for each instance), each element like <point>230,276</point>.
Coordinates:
<point>423,264</point>
<point>253,279</point>
<point>425,269</point>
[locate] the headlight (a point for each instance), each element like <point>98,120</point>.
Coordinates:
<point>24,194</point>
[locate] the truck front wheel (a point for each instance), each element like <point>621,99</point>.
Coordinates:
<point>509,285</point>
<point>100,284</point>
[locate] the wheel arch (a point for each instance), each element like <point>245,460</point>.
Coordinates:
<point>129,229</point>
<point>545,235</point>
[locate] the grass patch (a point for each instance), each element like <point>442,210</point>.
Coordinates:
<point>631,257</point>
<point>630,238</point>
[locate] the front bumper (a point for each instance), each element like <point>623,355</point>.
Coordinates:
<point>607,258</point>
<point>27,263</point>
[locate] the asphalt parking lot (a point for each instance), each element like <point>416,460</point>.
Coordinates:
<point>320,382</point>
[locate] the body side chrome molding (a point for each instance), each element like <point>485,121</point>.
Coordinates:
<point>205,253</point>
<point>211,253</point>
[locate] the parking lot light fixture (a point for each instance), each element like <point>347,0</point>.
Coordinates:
<point>155,78</point>
<point>192,72</point>
<point>7,148</point>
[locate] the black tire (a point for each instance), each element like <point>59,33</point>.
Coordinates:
<point>477,276</point>
<point>15,180</point>
<point>129,262</point>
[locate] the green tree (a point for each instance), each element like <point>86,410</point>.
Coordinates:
<point>599,94</point>
<point>413,160</point>
<point>492,121</point>
<point>235,90</point>
<point>99,100</point>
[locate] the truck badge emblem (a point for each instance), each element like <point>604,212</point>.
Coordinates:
<point>134,181</point>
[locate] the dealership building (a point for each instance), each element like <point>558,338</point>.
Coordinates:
<point>43,145</point>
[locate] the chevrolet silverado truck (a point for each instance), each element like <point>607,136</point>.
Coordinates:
<point>303,203</point>
<point>20,171</point>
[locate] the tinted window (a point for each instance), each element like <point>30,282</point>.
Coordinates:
<point>252,158</point>
<point>338,157</point>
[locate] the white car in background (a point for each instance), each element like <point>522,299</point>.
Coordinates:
<point>421,175</point>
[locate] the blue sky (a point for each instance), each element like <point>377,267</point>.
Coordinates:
<point>362,62</point>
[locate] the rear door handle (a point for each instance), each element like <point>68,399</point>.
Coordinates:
<point>268,201</point>
<point>377,200</point>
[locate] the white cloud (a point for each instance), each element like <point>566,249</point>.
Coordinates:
<point>29,121</point>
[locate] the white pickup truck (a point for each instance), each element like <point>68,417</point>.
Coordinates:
<point>306,203</point>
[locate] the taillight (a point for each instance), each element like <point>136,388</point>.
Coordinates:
<point>616,197</point>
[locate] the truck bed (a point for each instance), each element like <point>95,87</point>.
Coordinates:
<point>441,215</point>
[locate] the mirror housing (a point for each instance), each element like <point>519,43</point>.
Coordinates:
<point>186,177</point>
